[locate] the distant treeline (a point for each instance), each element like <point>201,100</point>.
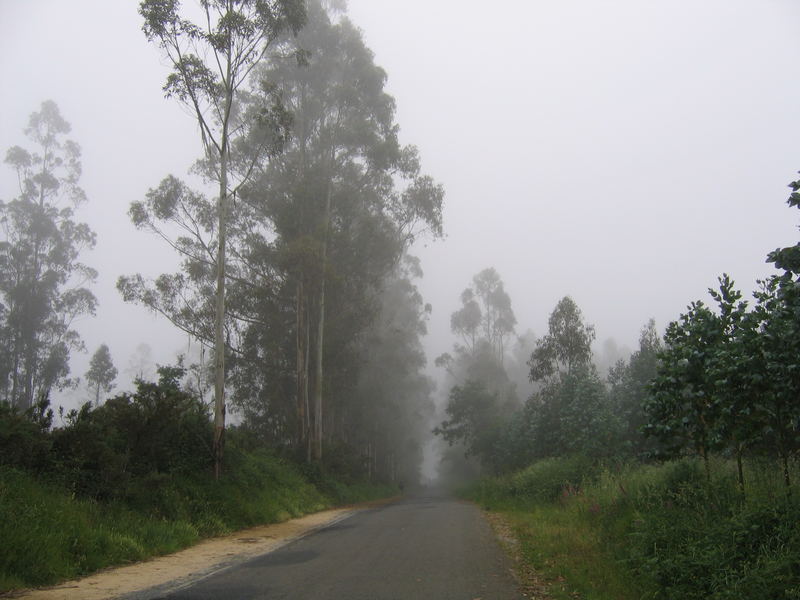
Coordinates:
<point>724,380</point>
<point>672,477</point>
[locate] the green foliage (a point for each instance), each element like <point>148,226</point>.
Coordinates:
<point>475,419</point>
<point>654,531</point>
<point>545,480</point>
<point>684,409</point>
<point>158,431</point>
<point>24,440</point>
<point>482,398</point>
<point>567,345</point>
<point>105,490</point>
<point>788,259</point>
<point>570,415</point>
<point>728,379</point>
<point>774,359</point>
<point>628,390</point>
<point>315,234</point>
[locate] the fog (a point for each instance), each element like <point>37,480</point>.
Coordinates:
<point>624,153</point>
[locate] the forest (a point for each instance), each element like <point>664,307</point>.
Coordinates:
<point>674,469</point>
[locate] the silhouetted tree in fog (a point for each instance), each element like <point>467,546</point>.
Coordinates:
<point>101,373</point>
<point>42,281</point>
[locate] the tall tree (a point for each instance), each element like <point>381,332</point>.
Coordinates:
<point>628,390</point>
<point>567,345</point>
<point>212,62</point>
<point>390,408</point>
<point>345,199</point>
<point>482,398</point>
<point>101,373</point>
<point>485,309</point>
<point>774,375</point>
<point>42,281</point>
<point>684,407</point>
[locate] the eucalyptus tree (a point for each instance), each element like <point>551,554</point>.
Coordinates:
<point>485,314</point>
<point>42,280</point>
<point>466,321</point>
<point>390,406</point>
<point>345,199</point>
<point>567,345</point>
<point>475,421</point>
<point>482,398</point>
<point>212,63</point>
<point>101,373</point>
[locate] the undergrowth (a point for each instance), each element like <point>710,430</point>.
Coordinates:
<point>132,479</point>
<point>658,532</point>
<point>49,534</point>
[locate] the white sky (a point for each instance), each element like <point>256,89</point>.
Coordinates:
<point>623,152</point>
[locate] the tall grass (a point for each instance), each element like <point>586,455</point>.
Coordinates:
<point>654,531</point>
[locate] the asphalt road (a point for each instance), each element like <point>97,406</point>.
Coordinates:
<point>426,546</point>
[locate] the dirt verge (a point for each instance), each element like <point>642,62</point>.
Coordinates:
<point>530,583</point>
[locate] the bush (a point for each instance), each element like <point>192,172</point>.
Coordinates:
<point>157,431</point>
<point>132,479</point>
<point>24,440</point>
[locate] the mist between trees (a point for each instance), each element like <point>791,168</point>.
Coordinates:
<point>722,382</point>
<point>295,275</point>
<point>671,475</point>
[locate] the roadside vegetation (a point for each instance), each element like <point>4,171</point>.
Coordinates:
<point>131,479</point>
<point>294,285</point>
<point>652,530</point>
<point>675,475</point>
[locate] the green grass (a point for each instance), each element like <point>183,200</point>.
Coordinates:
<point>50,535</point>
<point>653,531</point>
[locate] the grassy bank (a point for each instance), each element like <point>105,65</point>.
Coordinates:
<point>132,479</point>
<point>653,531</point>
<point>50,534</point>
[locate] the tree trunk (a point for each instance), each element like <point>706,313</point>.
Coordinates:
<point>219,325</point>
<point>316,449</point>
<point>219,319</point>
<point>317,445</point>
<point>301,371</point>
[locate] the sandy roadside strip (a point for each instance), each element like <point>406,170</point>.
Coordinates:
<point>164,574</point>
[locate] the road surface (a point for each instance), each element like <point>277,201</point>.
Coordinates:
<point>426,546</point>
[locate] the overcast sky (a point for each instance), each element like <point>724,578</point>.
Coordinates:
<point>623,152</point>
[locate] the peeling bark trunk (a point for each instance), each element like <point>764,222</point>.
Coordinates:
<point>219,325</point>
<point>302,366</point>
<point>219,320</point>
<point>318,406</point>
